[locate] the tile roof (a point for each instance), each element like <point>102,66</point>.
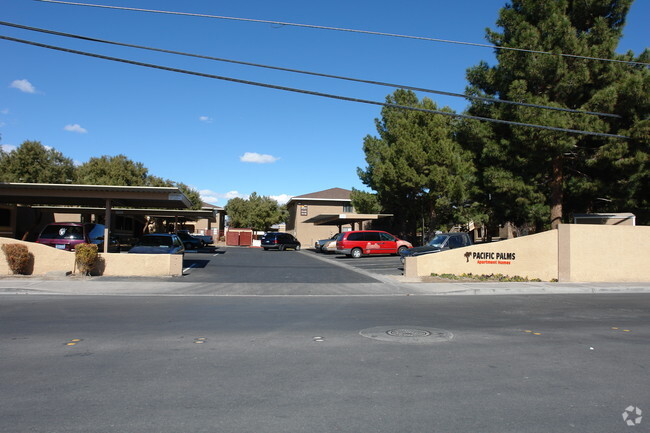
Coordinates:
<point>328,194</point>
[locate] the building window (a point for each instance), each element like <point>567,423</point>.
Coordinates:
<point>347,208</point>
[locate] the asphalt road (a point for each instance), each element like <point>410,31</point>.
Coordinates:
<point>254,265</point>
<point>296,364</point>
<point>243,362</point>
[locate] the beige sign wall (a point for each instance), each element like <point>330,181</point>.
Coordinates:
<point>573,253</point>
<point>48,259</point>
<point>593,253</point>
<point>534,256</point>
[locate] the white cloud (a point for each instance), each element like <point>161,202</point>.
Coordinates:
<point>75,128</point>
<point>213,197</point>
<point>282,198</point>
<point>8,148</point>
<point>23,86</point>
<point>205,119</point>
<point>257,158</point>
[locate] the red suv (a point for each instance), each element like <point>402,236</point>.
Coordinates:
<point>65,236</point>
<point>357,243</point>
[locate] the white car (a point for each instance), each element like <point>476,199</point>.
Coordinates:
<point>330,245</point>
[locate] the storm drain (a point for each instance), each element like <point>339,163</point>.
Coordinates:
<point>407,334</point>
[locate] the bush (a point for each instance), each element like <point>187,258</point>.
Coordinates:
<point>18,257</point>
<point>86,257</point>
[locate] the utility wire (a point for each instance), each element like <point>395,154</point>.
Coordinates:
<point>342,29</point>
<point>338,77</point>
<point>309,92</point>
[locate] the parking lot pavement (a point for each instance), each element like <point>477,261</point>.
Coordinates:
<point>378,265</point>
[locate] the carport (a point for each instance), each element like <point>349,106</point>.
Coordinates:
<point>340,220</point>
<point>98,197</point>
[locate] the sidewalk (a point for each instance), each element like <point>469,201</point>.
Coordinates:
<point>390,286</point>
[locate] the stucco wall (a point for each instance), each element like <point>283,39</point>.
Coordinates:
<point>573,253</point>
<point>149,265</point>
<point>606,253</point>
<point>48,259</point>
<point>534,256</point>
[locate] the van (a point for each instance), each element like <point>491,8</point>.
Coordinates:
<point>65,236</point>
<point>279,241</point>
<point>363,242</point>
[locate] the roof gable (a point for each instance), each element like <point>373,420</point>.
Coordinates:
<point>328,194</point>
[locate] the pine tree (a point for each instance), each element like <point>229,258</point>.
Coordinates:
<point>538,177</point>
<point>417,167</point>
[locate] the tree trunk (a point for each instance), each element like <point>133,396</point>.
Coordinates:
<point>556,192</point>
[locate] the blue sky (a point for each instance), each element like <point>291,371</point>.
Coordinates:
<point>227,139</point>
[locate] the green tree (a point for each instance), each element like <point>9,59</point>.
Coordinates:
<point>192,194</point>
<point>365,202</point>
<point>256,212</point>
<point>120,170</point>
<point>32,162</point>
<point>419,170</point>
<point>112,170</point>
<point>536,177</point>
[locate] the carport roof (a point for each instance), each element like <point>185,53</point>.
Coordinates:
<point>159,213</point>
<point>92,195</point>
<point>342,219</point>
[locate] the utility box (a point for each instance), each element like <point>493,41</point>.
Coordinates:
<point>610,219</point>
<point>239,237</point>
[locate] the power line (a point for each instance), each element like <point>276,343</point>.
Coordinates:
<point>342,29</point>
<point>338,77</point>
<point>309,92</point>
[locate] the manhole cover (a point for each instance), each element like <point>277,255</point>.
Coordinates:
<point>407,334</point>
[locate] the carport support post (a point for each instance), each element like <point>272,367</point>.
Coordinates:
<point>107,225</point>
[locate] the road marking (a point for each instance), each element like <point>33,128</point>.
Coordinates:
<point>188,268</point>
<point>73,342</point>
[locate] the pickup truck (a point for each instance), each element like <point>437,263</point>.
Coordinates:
<point>205,239</point>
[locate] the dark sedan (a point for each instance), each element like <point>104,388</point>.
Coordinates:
<point>441,242</point>
<point>158,243</point>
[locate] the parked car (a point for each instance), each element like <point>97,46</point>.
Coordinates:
<point>158,243</point>
<point>357,243</point>
<point>189,241</point>
<point>65,236</point>
<point>280,241</point>
<point>441,242</point>
<point>205,239</point>
<point>330,245</point>
<point>319,244</point>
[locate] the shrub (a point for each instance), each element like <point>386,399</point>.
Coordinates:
<point>18,258</point>
<point>86,257</point>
